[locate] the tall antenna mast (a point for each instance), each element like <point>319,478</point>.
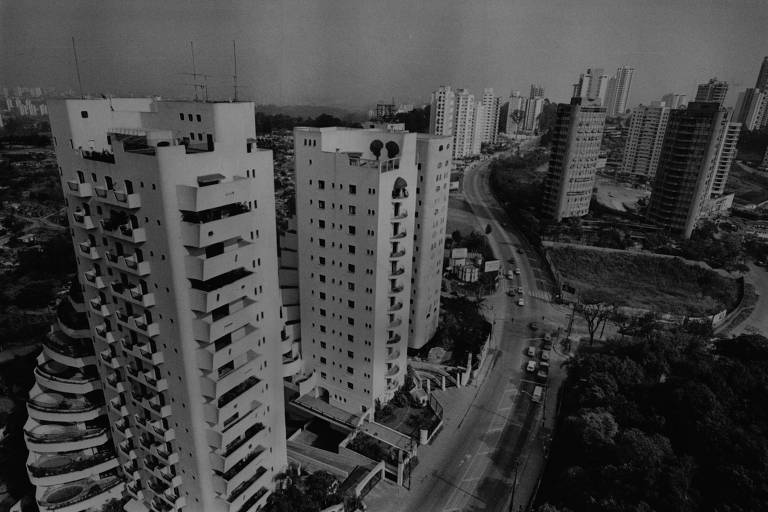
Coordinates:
<point>203,85</point>
<point>234,55</point>
<point>77,68</point>
<point>194,71</point>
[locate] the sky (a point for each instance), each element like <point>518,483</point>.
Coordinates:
<point>355,53</point>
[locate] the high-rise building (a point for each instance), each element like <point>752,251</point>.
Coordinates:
<point>644,139</point>
<point>617,91</point>
<point>385,112</point>
<point>713,91</point>
<point>356,203</point>
<point>516,114</point>
<point>689,157</point>
<point>533,109</point>
<point>591,85</point>
<point>537,91</point>
<point>173,218</point>
<point>490,125</point>
<point>725,158</point>
<point>68,433</point>
<point>576,139</point>
<point>762,76</point>
<point>673,100</point>
<point>464,129</point>
<point>752,109</point>
<point>442,111</point>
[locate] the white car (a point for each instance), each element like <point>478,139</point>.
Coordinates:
<point>510,274</point>
<point>517,271</point>
<point>531,366</point>
<point>520,302</point>
<point>544,355</point>
<point>531,352</point>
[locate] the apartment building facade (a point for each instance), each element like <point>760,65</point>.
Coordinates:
<point>618,90</point>
<point>576,139</point>
<point>687,166</point>
<point>173,213</point>
<point>713,91</point>
<point>728,149</point>
<point>644,139</point>
<point>442,111</point>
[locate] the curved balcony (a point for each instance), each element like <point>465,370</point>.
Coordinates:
<point>69,466</point>
<point>393,354</point>
<point>77,189</point>
<point>397,306</point>
<point>129,264</point>
<point>394,339</point>
<point>397,322</point>
<point>392,370</point>
<point>94,279</point>
<point>396,272</point>
<point>103,334</point>
<point>99,307</point>
<point>125,232</point>
<point>69,351</point>
<point>398,235</point>
<point>47,406</point>
<point>84,494</point>
<point>58,377</point>
<point>400,214</point>
<point>52,438</point>
<point>89,251</point>
<point>397,254</point>
<point>396,289</point>
<point>118,198</point>
<point>133,294</point>
<point>400,193</point>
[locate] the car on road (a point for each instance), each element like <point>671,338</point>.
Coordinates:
<point>531,352</point>
<point>544,355</point>
<point>533,326</point>
<point>531,366</point>
<point>510,274</point>
<point>543,370</point>
<point>520,290</point>
<point>511,293</point>
<point>547,336</point>
<point>517,271</point>
<point>520,302</point>
<point>538,393</point>
<point>547,344</point>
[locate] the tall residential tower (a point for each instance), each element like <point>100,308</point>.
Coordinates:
<point>644,140</point>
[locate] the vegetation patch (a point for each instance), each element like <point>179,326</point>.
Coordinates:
<point>665,285</point>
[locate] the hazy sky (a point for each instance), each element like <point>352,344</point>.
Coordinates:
<point>357,52</point>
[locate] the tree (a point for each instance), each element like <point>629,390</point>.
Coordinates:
<point>595,314</point>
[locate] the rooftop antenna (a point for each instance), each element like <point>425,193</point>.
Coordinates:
<point>77,68</point>
<point>194,74</point>
<point>234,77</point>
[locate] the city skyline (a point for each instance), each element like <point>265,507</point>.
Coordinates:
<point>280,52</point>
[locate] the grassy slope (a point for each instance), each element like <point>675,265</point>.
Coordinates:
<point>643,281</point>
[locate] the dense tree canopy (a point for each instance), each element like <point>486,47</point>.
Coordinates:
<point>672,423</point>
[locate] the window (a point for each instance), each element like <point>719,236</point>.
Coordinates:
<point>322,260</point>
<point>322,360</point>
<point>351,230</point>
<point>350,354</point>
<point>199,118</point>
<point>321,223</point>
<point>351,286</point>
<point>351,304</point>
<point>321,204</point>
<point>351,268</point>
<point>350,385</point>
<point>84,114</point>
<point>350,370</point>
<point>322,278</point>
<point>181,116</point>
<point>351,249</point>
<point>352,210</point>
<point>321,241</point>
<point>321,184</point>
<point>353,189</point>
<point>189,117</point>
<point>322,344</point>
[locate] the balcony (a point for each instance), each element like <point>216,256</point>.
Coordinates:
<point>110,359</point>
<point>242,487</point>
<point>397,322</point>
<point>215,195</point>
<point>396,271</point>
<point>83,220</point>
<point>138,323</point>
<point>291,365</point>
<point>396,289</point>
<point>392,370</point>
<point>56,407</point>
<point>397,306</point>
<point>98,156</point>
<point>400,213</point>
<point>400,193</point>
<point>212,327</point>
<point>81,190</point>
<point>103,334</point>
<point>126,232</point>
<point>85,494</point>
<point>393,339</point>
<point>129,264</point>
<point>397,254</point>
<point>72,348</point>
<point>100,308</point>
<point>133,295</point>
<point>53,438</point>
<point>56,376</point>
<point>238,390</point>
<point>204,268</point>
<point>393,354</point>
<point>254,500</point>
<point>89,251</point>
<point>69,466</point>
<point>93,279</point>
<point>398,234</point>
<point>150,354</point>
<point>118,198</point>
<point>224,289</point>
<point>204,229</point>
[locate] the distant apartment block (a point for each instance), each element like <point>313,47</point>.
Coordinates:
<point>762,76</point>
<point>537,91</point>
<point>490,121</point>
<point>465,128</point>
<point>673,100</point>
<point>516,108</point>
<point>725,158</point>
<point>576,139</point>
<point>752,109</point>
<point>592,85</point>
<point>644,139</point>
<point>442,111</point>
<point>713,91</point>
<point>618,90</point>
<point>689,159</point>
<point>173,221</point>
<point>361,249</point>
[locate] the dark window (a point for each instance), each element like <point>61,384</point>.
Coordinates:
<point>84,114</point>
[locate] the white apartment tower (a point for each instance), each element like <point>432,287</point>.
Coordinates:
<point>358,192</point>
<point>725,158</point>
<point>752,108</point>
<point>673,100</point>
<point>433,164</point>
<point>533,109</point>
<point>464,130</point>
<point>713,91</point>
<point>516,113</point>
<point>491,108</point>
<point>442,111</point>
<point>174,224</point>
<point>618,89</point>
<point>646,135</point>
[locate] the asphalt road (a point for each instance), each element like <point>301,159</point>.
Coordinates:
<point>502,425</point>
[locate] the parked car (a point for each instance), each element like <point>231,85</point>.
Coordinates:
<point>531,366</point>
<point>520,290</point>
<point>517,271</point>
<point>531,352</point>
<point>521,302</point>
<point>511,292</point>
<point>544,355</point>
<point>533,326</point>
<point>543,370</point>
<point>548,345</point>
<point>510,274</point>
<point>547,336</point>
<point>538,393</point>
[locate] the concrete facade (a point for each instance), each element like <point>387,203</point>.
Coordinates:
<point>644,139</point>
<point>576,140</point>
<point>178,251</point>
